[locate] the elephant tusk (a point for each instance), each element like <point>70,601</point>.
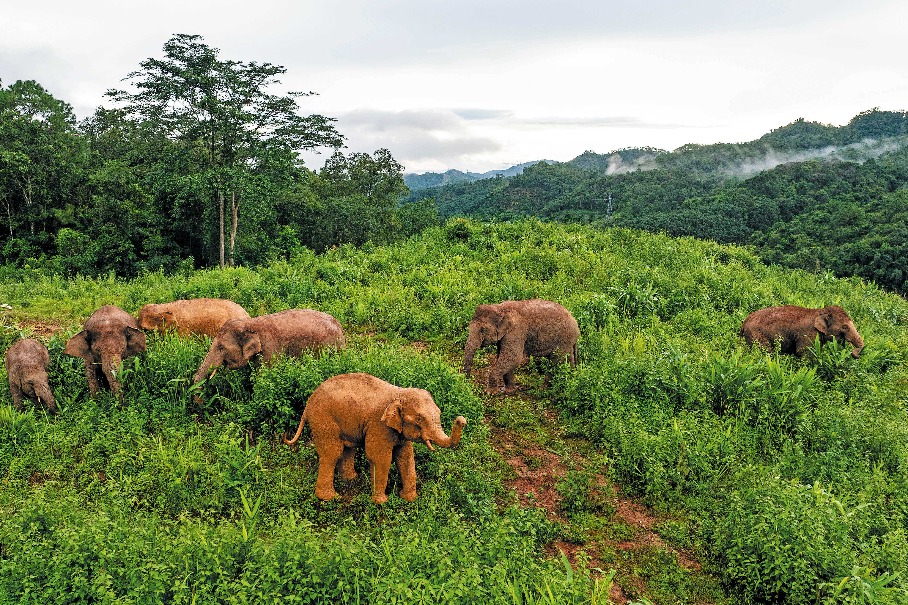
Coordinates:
<point>211,376</point>
<point>429,445</point>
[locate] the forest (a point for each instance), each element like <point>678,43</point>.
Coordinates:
<point>805,196</point>
<point>674,464</point>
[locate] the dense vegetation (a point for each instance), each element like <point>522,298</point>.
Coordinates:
<point>786,476</point>
<point>805,196</point>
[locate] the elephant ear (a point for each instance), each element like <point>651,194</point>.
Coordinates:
<point>822,322</point>
<point>251,343</point>
<point>392,416</point>
<point>135,341</point>
<point>77,346</point>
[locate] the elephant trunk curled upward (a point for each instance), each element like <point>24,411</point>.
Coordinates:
<point>796,328</point>
<point>520,329</point>
<point>359,410</point>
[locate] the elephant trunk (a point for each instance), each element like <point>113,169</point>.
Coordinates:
<point>858,347</point>
<point>110,365</point>
<point>469,353</point>
<point>299,431</point>
<point>45,396</point>
<point>439,438</point>
<point>209,361</point>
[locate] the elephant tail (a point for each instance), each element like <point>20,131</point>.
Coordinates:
<point>299,431</point>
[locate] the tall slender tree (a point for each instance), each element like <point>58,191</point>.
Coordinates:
<point>222,111</point>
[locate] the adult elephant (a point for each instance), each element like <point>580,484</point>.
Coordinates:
<point>288,332</point>
<point>520,329</point>
<point>109,336</point>
<point>359,410</point>
<point>191,316</point>
<point>796,328</point>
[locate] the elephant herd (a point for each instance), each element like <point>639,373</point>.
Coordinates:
<point>359,410</point>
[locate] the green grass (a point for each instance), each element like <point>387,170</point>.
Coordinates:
<point>789,475</point>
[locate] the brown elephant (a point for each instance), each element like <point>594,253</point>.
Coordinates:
<point>359,410</point>
<point>194,316</point>
<point>26,366</point>
<point>520,329</point>
<point>109,336</point>
<point>795,328</point>
<point>288,332</point>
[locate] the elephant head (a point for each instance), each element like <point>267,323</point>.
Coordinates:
<point>416,417</point>
<point>110,335</point>
<point>488,326</point>
<point>233,347</point>
<point>833,323</point>
<point>155,317</point>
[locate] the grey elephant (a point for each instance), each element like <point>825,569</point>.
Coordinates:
<point>520,329</point>
<point>288,332</point>
<point>110,335</point>
<point>26,366</point>
<point>359,410</point>
<point>796,328</point>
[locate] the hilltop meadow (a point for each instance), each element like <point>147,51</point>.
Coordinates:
<point>785,478</point>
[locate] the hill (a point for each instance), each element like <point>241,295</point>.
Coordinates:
<point>426,180</point>
<point>785,193</point>
<point>748,456</point>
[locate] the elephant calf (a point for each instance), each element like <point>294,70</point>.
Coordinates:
<point>520,329</point>
<point>359,410</point>
<point>26,366</point>
<point>110,335</point>
<point>288,332</point>
<point>194,316</point>
<point>795,328</point>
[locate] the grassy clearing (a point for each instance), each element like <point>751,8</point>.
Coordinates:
<point>747,457</point>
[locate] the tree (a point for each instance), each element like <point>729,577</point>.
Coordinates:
<point>41,165</point>
<point>223,112</point>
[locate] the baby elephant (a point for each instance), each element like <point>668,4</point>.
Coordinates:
<point>289,332</point>
<point>520,329</point>
<point>194,316</point>
<point>797,327</point>
<point>360,410</point>
<point>26,365</point>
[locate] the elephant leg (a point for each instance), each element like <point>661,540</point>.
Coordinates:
<point>345,465</point>
<point>379,455</point>
<point>16,392</point>
<point>329,452</point>
<point>406,464</point>
<point>91,376</point>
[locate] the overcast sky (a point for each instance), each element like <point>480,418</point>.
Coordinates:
<point>485,84</point>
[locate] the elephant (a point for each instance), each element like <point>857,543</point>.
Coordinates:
<point>109,336</point>
<point>26,366</point>
<point>288,332</point>
<point>203,316</point>
<point>520,329</point>
<point>360,410</point>
<point>795,328</point>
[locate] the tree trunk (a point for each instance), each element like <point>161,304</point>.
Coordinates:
<point>234,222</point>
<point>221,226</point>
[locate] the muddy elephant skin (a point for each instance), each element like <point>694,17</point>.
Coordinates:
<point>193,316</point>
<point>520,329</point>
<point>26,367</point>
<point>795,328</point>
<point>285,333</point>
<point>109,336</point>
<point>359,410</point>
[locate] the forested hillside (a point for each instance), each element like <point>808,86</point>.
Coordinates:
<point>806,195</point>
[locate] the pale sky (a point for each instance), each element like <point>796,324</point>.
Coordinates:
<point>481,85</point>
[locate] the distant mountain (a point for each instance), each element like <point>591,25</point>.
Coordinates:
<point>435,179</point>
